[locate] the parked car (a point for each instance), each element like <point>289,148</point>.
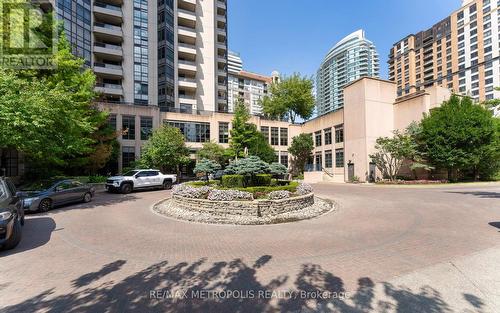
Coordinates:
<point>140,179</point>
<point>11,215</point>
<point>44,195</point>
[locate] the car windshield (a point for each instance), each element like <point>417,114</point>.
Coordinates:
<point>40,185</point>
<point>130,173</point>
<point>3,192</point>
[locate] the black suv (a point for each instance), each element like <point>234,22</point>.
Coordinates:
<point>11,215</point>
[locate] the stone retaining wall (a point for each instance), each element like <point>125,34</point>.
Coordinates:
<point>244,208</point>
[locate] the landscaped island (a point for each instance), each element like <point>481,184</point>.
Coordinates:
<point>250,193</point>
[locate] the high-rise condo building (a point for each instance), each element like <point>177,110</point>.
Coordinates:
<point>351,58</point>
<point>460,53</point>
<point>170,54</point>
<point>234,63</point>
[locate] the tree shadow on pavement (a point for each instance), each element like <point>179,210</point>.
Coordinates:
<point>495,224</point>
<point>228,287</point>
<point>100,200</point>
<point>36,233</point>
<point>480,194</point>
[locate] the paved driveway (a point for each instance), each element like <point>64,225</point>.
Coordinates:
<point>386,249</point>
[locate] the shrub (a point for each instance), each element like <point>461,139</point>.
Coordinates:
<point>187,191</point>
<point>229,195</point>
<point>97,179</point>
<point>261,180</point>
<point>232,181</point>
<point>267,189</point>
<point>304,189</point>
<point>279,194</point>
<point>278,169</point>
<point>248,167</point>
<point>206,167</point>
<point>201,183</point>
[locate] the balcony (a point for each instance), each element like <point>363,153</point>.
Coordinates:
<point>187,15</point>
<point>221,72</point>
<point>221,31</point>
<point>109,70</point>
<point>221,59</point>
<point>187,65</point>
<point>221,18</point>
<point>221,4</point>
<point>185,99</point>
<point>109,89</point>
<point>108,50</point>
<point>187,83</point>
<point>106,11</point>
<point>187,32</point>
<point>108,30</point>
<point>186,48</point>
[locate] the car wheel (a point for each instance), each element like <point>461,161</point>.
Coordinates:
<point>87,197</point>
<point>45,205</point>
<point>167,184</point>
<point>15,237</point>
<point>126,188</point>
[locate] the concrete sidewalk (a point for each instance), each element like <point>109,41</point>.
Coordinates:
<point>466,284</point>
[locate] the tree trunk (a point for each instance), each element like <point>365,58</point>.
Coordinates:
<point>449,174</point>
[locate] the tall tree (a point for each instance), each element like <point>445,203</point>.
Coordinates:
<point>301,149</point>
<point>242,132</point>
<point>165,150</point>
<point>213,151</point>
<point>290,98</point>
<point>459,135</point>
<point>390,153</point>
<point>49,114</point>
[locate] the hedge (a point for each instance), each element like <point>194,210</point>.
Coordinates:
<point>233,181</point>
<point>261,180</point>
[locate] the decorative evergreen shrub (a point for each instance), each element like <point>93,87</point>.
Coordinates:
<point>233,181</point>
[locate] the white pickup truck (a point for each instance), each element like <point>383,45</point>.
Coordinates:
<point>140,179</point>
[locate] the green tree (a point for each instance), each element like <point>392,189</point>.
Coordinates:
<point>248,167</point>
<point>213,151</point>
<point>49,115</point>
<point>301,149</point>
<point>259,146</point>
<point>206,167</point>
<point>277,169</point>
<point>242,132</point>
<point>459,135</point>
<point>392,152</point>
<point>291,97</point>
<point>165,150</point>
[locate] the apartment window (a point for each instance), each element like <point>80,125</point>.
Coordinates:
<point>339,134</point>
<point>488,81</point>
<point>284,136</point>
<point>265,131</point>
<point>223,132</point>
<point>460,15</point>
<point>328,136</point>
<point>317,136</point>
<point>146,127</point>
<point>128,156</point>
<point>274,136</point>
<point>284,158</point>
<point>112,121</point>
<point>128,127</point>
<point>192,131</point>
<point>328,159</point>
<point>339,158</point>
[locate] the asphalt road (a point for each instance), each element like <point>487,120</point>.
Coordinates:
<point>385,249</point>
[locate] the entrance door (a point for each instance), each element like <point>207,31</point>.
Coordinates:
<point>371,177</point>
<point>350,171</point>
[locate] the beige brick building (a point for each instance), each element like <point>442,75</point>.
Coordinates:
<point>460,53</point>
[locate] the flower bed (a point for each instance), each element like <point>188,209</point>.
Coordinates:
<point>411,182</point>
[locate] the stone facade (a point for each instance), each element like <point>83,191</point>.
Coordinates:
<point>256,208</point>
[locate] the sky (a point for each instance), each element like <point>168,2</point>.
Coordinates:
<point>295,35</point>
